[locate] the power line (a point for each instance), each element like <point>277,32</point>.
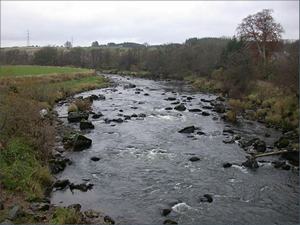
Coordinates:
<point>28,43</point>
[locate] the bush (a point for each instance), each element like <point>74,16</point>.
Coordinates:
<point>72,108</point>
<point>83,104</point>
<point>231,116</point>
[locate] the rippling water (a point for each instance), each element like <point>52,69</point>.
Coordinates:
<point>144,164</point>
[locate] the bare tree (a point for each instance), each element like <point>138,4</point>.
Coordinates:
<point>261,29</point>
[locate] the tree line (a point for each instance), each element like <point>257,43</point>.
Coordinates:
<point>256,52</point>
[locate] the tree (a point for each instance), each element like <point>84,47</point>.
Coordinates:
<point>46,56</point>
<point>68,44</point>
<point>95,44</point>
<point>261,29</point>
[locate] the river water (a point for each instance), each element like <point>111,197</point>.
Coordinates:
<point>145,167</point>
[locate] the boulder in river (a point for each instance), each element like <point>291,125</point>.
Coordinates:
<point>166,212</point>
<point>170,99</point>
<point>194,159</point>
<point>95,158</point>
<point>101,97</point>
<point>180,107</point>
<point>227,165</point>
<point>228,140</point>
<point>57,165</point>
<point>206,198</point>
<point>85,124</point>
<point>74,117</point>
<point>204,113</point>
<point>206,100</point>
<point>81,142</point>
<point>108,220</point>
<point>127,86</point>
<point>219,108</point>
<point>260,145</point>
<point>195,110</point>
<point>82,187</point>
<point>168,108</point>
<point>97,115</point>
<point>250,163</point>
<point>283,142</point>
<point>93,97</point>
<point>61,184</point>
<point>168,221</point>
<point>201,133</point>
<point>207,107</point>
<point>292,156</point>
<point>188,130</point>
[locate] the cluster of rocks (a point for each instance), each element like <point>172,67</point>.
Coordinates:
<point>65,183</point>
<point>42,211</point>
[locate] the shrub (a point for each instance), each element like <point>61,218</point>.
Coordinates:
<point>83,104</point>
<point>72,108</point>
<point>231,116</point>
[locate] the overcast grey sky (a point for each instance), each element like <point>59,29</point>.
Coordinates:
<point>155,22</point>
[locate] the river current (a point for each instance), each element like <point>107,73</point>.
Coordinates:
<point>144,162</point>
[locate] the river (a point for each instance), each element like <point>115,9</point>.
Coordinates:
<point>145,167</point>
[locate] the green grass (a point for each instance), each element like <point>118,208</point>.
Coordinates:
<point>20,70</point>
<point>65,216</point>
<point>21,171</point>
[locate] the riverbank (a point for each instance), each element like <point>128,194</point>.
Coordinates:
<point>264,102</point>
<point>28,130</point>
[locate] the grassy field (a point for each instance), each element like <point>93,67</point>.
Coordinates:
<point>26,70</point>
<point>25,137</point>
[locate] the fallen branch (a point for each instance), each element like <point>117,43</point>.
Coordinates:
<point>273,153</point>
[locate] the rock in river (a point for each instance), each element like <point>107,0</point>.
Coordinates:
<point>250,163</point>
<point>206,198</point>
<point>97,115</point>
<point>180,107</point>
<point>95,158</point>
<point>170,99</point>
<point>188,130</point>
<point>85,124</point>
<point>166,212</point>
<point>109,220</point>
<point>194,159</point>
<point>82,187</point>
<point>219,108</point>
<point>227,165</point>
<point>74,117</point>
<point>195,110</point>
<point>260,145</point>
<point>168,221</point>
<point>61,184</point>
<point>81,142</point>
<point>205,113</point>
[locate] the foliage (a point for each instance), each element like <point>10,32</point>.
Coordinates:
<point>21,171</point>
<point>261,29</point>
<point>46,56</point>
<point>65,216</point>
